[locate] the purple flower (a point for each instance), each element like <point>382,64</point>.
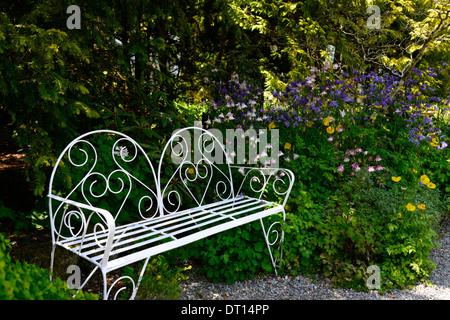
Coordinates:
<point>340,168</point>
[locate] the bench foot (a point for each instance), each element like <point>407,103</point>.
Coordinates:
<point>273,237</point>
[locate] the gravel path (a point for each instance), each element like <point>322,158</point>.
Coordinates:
<point>273,287</point>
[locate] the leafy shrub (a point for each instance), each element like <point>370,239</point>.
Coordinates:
<point>231,255</point>
<point>23,281</point>
<point>344,146</point>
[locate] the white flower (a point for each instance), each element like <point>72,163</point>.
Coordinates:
<point>208,121</point>
<point>122,152</point>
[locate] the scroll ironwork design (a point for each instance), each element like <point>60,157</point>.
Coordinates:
<point>201,171</point>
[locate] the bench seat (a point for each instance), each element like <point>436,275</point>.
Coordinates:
<point>136,241</point>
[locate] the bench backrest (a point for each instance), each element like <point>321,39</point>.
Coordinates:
<point>194,170</point>
<point>110,170</point>
<point>104,169</point>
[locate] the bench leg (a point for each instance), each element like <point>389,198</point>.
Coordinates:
<point>272,237</point>
<point>140,278</point>
<point>52,258</point>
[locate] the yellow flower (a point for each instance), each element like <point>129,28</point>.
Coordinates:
<point>271,126</point>
<point>330,129</point>
<point>386,129</point>
<point>191,170</point>
<point>309,124</point>
<point>424,179</point>
<point>378,106</point>
<point>431,185</point>
<point>414,170</point>
<point>410,207</point>
<point>396,179</point>
<point>373,117</point>
<point>327,120</point>
<point>434,142</point>
<point>287,145</point>
<point>399,215</point>
<point>421,206</point>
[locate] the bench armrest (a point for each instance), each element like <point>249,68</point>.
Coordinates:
<point>105,216</point>
<point>258,179</point>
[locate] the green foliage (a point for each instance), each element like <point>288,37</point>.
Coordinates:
<point>23,281</point>
<point>23,222</point>
<point>231,255</point>
<point>301,234</point>
<point>161,280</point>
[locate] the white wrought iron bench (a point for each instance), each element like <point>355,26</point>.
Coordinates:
<point>108,204</point>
